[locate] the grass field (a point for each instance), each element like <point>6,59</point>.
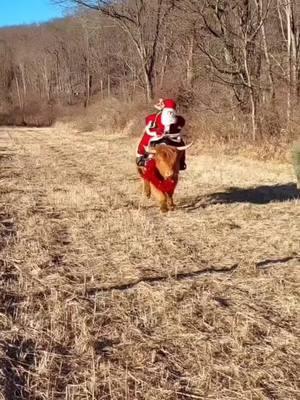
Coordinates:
<point>102,297</point>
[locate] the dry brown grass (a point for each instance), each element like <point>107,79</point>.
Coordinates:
<point>231,135</point>
<point>103,298</point>
<point>36,113</point>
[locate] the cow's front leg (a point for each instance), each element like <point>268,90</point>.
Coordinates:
<point>164,205</point>
<point>160,197</point>
<point>170,203</point>
<point>147,189</point>
<point>163,202</point>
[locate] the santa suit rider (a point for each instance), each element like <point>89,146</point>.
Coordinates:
<point>163,126</point>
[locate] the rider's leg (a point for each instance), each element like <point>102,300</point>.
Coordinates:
<point>141,160</point>
<point>142,155</point>
<point>182,160</point>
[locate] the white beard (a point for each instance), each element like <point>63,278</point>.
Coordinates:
<point>168,117</point>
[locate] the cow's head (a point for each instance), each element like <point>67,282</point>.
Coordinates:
<point>167,159</point>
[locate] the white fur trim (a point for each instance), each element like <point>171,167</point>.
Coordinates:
<point>174,136</point>
<point>147,129</point>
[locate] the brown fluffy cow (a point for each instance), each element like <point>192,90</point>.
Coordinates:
<point>167,162</point>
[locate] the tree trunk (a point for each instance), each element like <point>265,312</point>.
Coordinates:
<point>280,20</point>
<point>295,47</point>
<point>259,4</point>
<point>22,70</point>
<point>87,66</point>
<point>163,71</point>
<point>18,92</point>
<point>289,56</point>
<point>148,86</point>
<point>101,88</point>
<point>45,74</point>
<point>190,64</point>
<point>298,85</point>
<point>108,85</point>
<point>87,82</point>
<point>251,93</point>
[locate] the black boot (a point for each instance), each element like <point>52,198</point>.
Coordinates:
<point>182,163</point>
<point>141,161</point>
<point>183,166</point>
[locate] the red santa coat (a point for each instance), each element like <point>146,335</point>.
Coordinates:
<point>155,129</point>
<point>152,175</point>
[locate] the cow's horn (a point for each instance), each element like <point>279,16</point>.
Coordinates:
<point>185,147</point>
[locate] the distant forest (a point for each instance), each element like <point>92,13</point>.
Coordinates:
<point>235,57</point>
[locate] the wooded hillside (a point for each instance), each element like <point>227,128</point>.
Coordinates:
<point>236,60</point>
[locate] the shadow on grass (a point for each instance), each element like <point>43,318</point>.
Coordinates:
<point>164,278</point>
<point>265,264</point>
<point>254,195</point>
<point>16,363</point>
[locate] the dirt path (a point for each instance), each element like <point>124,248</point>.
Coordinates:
<point>104,298</point>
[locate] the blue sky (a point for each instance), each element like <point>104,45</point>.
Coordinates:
<point>18,12</point>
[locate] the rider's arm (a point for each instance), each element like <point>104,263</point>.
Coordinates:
<point>152,128</point>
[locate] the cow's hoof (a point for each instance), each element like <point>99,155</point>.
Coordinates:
<point>164,209</point>
<point>171,205</point>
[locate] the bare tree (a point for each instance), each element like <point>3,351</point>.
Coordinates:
<point>6,70</point>
<point>293,48</point>
<point>229,36</point>
<point>143,22</point>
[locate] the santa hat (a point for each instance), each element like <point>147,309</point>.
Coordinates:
<point>169,103</point>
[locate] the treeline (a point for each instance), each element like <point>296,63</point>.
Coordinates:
<point>237,60</point>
